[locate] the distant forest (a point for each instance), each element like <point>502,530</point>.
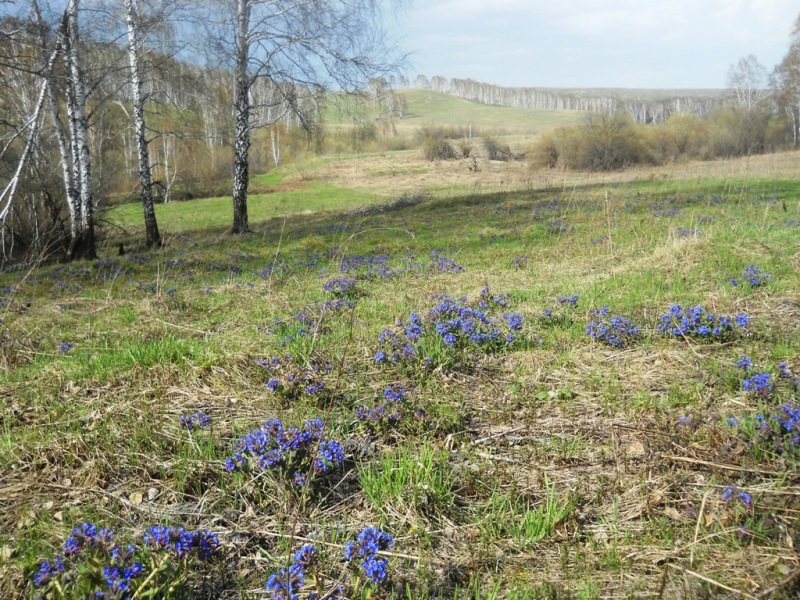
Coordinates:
<point>644,106</point>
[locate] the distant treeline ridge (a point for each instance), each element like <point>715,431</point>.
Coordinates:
<point>641,110</point>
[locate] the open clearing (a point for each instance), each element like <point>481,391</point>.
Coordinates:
<point>547,465</point>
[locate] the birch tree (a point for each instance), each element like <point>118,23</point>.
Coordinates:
<point>132,21</point>
<point>83,245</point>
<point>785,83</point>
<point>303,46</point>
<point>748,81</point>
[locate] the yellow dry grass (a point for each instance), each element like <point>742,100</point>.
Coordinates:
<point>408,173</point>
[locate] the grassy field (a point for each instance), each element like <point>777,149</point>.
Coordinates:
<point>444,344</point>
<point>548,464</point>
<point>283,199</point>
<point>425,107</point>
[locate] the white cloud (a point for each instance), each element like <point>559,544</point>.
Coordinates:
<point>649,43</point>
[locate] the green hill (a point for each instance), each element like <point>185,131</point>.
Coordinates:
<point>425,107</point>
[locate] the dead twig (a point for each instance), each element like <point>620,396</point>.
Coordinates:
<point>707,463</point>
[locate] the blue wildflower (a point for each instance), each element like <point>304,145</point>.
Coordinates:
<point>758,383</point>
<point>514,321</point>
<point>368,543</point>
<point>732,493</point>
<point>48,570</point>
<point>198,420</point>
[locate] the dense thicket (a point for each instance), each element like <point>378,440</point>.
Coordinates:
<point>612,142</point>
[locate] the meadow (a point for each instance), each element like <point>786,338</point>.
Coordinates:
<point>514,384</point>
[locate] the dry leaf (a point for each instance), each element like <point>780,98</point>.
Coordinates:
<point>136,498</point>
<point>636,450</point>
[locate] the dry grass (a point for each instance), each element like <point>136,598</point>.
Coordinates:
<point>393,174</point>
<point>93,434</point>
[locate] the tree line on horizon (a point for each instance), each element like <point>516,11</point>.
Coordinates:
<point>750,85</point>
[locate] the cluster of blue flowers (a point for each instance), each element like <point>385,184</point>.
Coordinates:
<point>309,320</point>
<point>698,322</point>
<point>390,410</point>
<point>781,428</point>
<point>180,542</point>
<point>789,421</point>
<point>558,226</point>
<point>563,303</point>
<point>685,232</point>
<point>459,324</point>
<point>663,209</point>
<point>762,383</point>
<point>616,331</point>
<point>568,300</point>
<point>299,454</point>
<point>92,556</point>
<point>197,420</point>
<point>752,275</point>
<point>379,266</point>
<point>759,384</point>
<point>367,545</point>
<point>733,493</point>
<point>369,266</point>
<point>65,347</point>
<point>444,264</point>
<point>451,325</point>
<point>520,262</point>
<point>289,380</point>
<point>340,286</point>
<point>286,583</point>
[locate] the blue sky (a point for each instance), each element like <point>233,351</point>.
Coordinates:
<point>593,43</point>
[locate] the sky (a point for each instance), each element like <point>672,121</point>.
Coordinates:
<point>593,43</point>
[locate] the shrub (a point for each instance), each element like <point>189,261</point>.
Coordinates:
<point>434,148</point>
<point>497,151</point>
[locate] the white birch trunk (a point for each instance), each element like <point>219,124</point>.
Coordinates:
<point>70,196</point>
<point>145,174</point>
<point>84,245</point>
<point>7,195</point>
<point>242,113</point>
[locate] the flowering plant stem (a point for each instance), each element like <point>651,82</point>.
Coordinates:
<point>155,570</point>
